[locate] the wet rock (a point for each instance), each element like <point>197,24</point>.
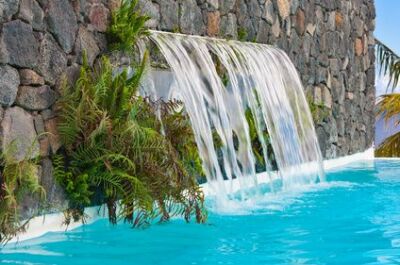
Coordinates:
<point>18,129</point>
<point>21,48</point>
<point>62,23</point>
<point>9,82</point>
<point>36,98</point>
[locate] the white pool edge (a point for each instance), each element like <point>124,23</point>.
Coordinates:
<point>54,222</point>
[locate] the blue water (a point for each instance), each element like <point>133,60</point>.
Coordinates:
<point>352,219</point>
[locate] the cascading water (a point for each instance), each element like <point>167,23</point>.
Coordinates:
<point>261,79</point>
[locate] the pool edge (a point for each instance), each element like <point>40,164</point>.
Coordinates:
<point>41,225</point>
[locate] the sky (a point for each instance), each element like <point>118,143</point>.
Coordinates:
<point>387,31</point>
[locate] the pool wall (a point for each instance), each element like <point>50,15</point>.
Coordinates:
<point>54,222</point>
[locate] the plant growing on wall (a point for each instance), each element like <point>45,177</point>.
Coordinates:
<point>19,178</point>
<point>127,27</point>
<point>113,150</point>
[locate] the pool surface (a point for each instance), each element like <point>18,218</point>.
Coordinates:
<point>354,218</point>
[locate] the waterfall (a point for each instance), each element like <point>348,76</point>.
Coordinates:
<point>260,79</point>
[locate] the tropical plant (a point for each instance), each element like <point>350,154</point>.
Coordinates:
<point>127,26</point>
<point>388,108</point>
<point>19,178</point>
<point>389,64</point>
<point>114,151</point>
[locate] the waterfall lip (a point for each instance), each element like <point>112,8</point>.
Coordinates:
<point>212,38</point>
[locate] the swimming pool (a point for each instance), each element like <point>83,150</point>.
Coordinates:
<point>354,218</point>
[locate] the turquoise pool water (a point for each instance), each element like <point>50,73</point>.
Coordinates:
<point>354,218</point>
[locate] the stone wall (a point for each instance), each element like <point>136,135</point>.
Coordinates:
<point>331,43</point>
<point>41,42</point>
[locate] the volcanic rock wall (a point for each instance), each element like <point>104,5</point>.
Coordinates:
<point>331,43</point>
<point>41,44</point>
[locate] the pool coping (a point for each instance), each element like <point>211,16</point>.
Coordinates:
<point>41,225</point>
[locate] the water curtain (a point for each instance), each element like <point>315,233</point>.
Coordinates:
<point>259,78</point>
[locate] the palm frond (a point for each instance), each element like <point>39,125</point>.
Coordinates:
<point>390,147</point>
<point>389,64</point>
<point>388,107</point>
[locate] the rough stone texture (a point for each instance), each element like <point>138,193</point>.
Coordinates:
<point>54,137</point>
<point>30,77</point>
<point>169,12</point>
<point>85,42</point>
<point>7,9</point>
<point>36,98</point>
<point>17,128</point>
<point>330,42</point>
<point>9,81</point>
<point>191,18</point>
<point>21,48</point>
<point>62,23</point>
<point>213,20</point>
<point>31,12</point>
<point>55,196</point>
<point>99,17</point>
<point>52,61</point>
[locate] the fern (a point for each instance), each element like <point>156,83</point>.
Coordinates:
<point>127,25</point>
<point>19,179</point>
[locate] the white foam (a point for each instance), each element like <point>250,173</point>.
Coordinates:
<point>55,222</point>
<point>41,225</point>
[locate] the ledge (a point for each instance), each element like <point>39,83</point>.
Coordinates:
<point>41,225</point>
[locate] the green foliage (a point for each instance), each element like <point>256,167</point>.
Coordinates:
<point>242,34</point>
<point>318,111</point>
<point>18,179</point>
<point>388,107</point>
<point>113,148</point>
<point>389,63</point>
<point>256,144</point>
<point>390,147</point>
<point>127,26</point>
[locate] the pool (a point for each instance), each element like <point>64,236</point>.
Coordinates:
<point>354,218</point>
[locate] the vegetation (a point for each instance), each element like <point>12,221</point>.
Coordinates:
<point>318,111</point>
<point>114,152</point>
<point>18,179</point>
<point>389,64</point>
<point>127,27</point>
<point>388,106</point>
